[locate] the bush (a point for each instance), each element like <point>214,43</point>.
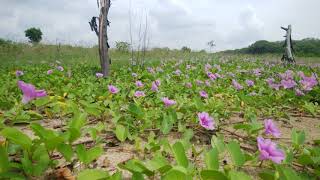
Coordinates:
<point>185,49</point>
<point>122,46</point>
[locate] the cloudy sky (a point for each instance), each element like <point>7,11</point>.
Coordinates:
<point>171,23</point>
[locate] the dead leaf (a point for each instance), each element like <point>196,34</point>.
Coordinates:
<point>64,174</point>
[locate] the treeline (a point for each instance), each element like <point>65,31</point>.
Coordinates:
<point>309,47</point>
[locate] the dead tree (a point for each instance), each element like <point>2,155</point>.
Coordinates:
<point>101,31</point>
<point>288,55</point>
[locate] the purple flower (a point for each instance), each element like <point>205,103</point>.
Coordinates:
<point>177,72</point>
<point>188,85</point>
<point>203,94</point>
<point>250,83</point>
<point>301,74</point>
<point>288,84</point>
<point>257,72</point>
<point>113,89</point>
<point>158,82</point>
<point>206,121</point>
<point>199,82</point>
<point>99,75</point>
<point>212,76</point>
<point>134,74</point>
<point>139,94</point>
<point>150,70</point>
<point>19,73</point>
<point>270,81</point>
<point>218,67</point>
<point>139,84</point>
<point>60,68</point>
<point>154,87</point>
<point>287,75</point>
<point>208,83</point>
<point>30,92</point>
<point>50,71</point>
<point>299,92</point>
<point>236,85</point>
<point>269,150</point>
<point>168,102</point>
<point>271,128</point>
<point>308,83</point>
<point>207,67</point>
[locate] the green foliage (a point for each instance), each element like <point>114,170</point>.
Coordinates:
<point>186,49</point>
<point>122,46</point>
<point>34,34</point>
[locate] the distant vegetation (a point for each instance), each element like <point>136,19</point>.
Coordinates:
<point>34,35</point>
<point>308,47</point>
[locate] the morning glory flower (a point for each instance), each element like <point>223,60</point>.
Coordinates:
<point>177,72</point>
<point>288,84</point>
<point>30,92</point>
<point>154,87</point>
<point>250,83</point>
<point>60,68</point>
<point>134,74</point>
<point>208,83</point>
<point>139,94</point>
<point>188,85</point>
<point>299,92</point>
<point>206,121</point>
<point>158,82</point>
<point>237,85</point>
<point>168,102</point>
<point>271,128</point>
<point>113,89</point>
<point>199,82</point>
<point>212,76</point>
<point>139,84</point>
<point>99,75</point>
<point>287,75</point>
<point>50,71</point>
<point>19,73</point>
<point>257,72</point>
<point>269,151</point>
<point>203,94</point>
<point>308,83</point>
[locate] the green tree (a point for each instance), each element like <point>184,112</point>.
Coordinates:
<point>185,49</point>
<point>34,34</point>
<point>122,46</point>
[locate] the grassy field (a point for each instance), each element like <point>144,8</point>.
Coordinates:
<point>182,116</point>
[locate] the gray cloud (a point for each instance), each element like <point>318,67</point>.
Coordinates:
<point>172,23</point>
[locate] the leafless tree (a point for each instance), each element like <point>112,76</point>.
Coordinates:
<point>288,55</point>
<point>101,31</point>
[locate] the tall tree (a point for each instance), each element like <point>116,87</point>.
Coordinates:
<point>101,31</point>
<point>288,55</point>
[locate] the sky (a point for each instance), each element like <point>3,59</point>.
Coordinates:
<point>170,23</point>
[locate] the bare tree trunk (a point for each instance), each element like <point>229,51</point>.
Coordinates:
<point>288,56</point>
<point>103,37</point>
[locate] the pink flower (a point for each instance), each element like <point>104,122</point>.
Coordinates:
<point>271,128</point>
<point>113,89</point>
<point>50,71</point>
<point>30,92</point>
<point>287,75</point>
<point>158,82</point>
<point>178,72</point>
<point>212,76</point>
<point>99,75</point>
<point>257,72</point>
<point>60,68</point>
<point>250,83</point>
<point>139,94</point>
<point>269,151</point>
<point>168,102</point>
<point>206,121</point>
<point>208,83</point>
<point>299,92</point>
<point>288,84</point>
<point>154,87</point>
<point>19,73</point>
<point>199,82</point>
<point>150,70</point>
<point>139,84</point>
<point>188,85</point>
<point>236,85</point>
<point>203,94</point>
<point>308,83</point>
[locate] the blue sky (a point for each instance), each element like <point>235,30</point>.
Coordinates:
<point>171,23</point>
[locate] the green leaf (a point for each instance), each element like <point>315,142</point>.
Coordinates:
<point>218,142</point>
<point>137,176</point>
<point>78,121</point>
<point>234,175</point>
<point>212,175</point>
<point>121,132</point>
<point>180,154</point>
<point>212,159</point>
<point>305,159</point>
<point>166,124</point>
<point>135,110</point>
<point>267,175</point>
<point>17,137</point>
<point>116,176</point>
<point>175,174</point>
<point>92,174</point>
<point>236,153</point>
<point>66,150</point>
<point>87,156</point>
<point>4,159</point>
<point>298,137</point>
<point>40,160</point>
<point>287,173</point>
